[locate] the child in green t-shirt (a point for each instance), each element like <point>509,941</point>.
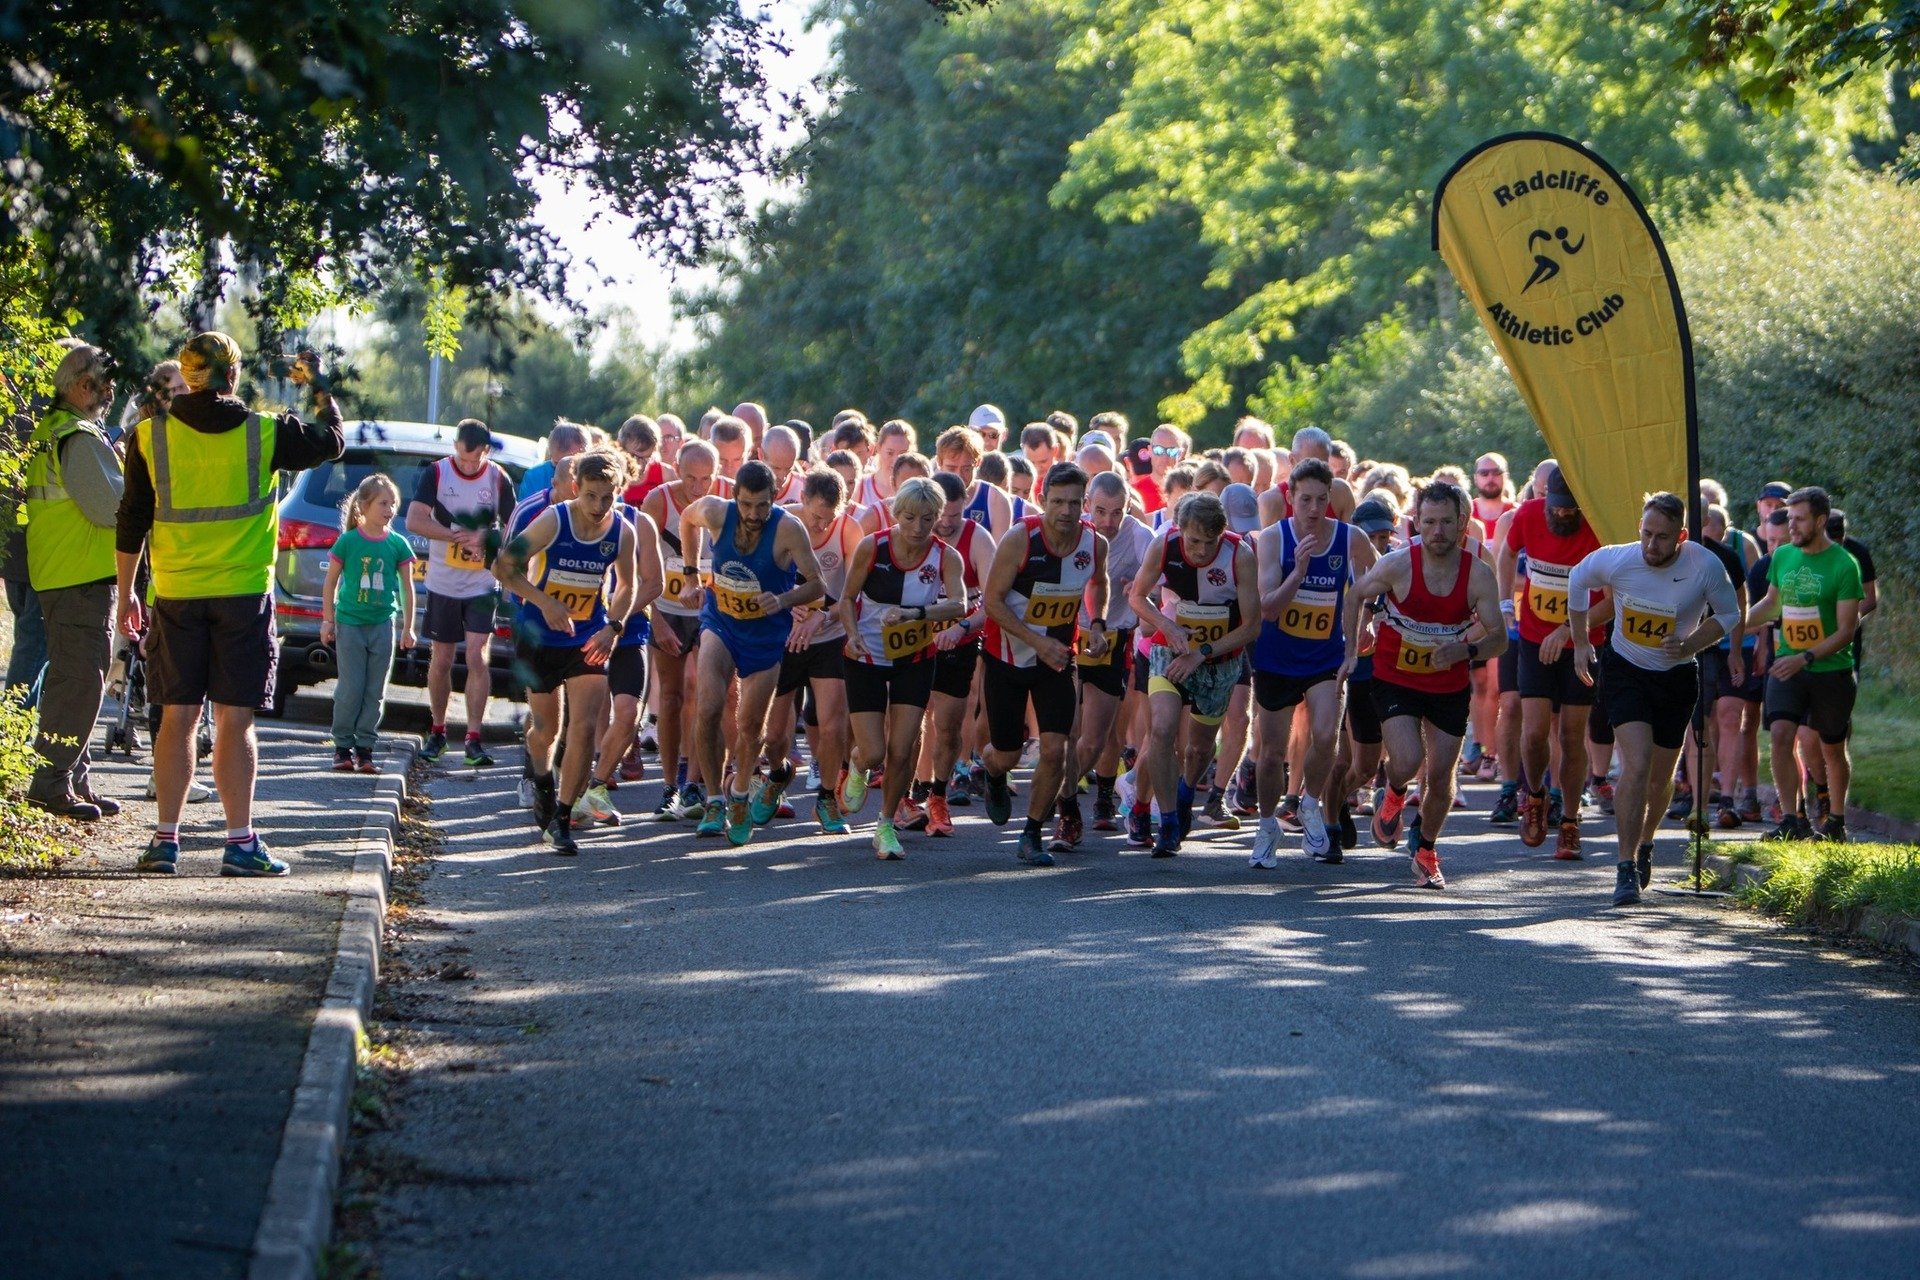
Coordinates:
<point>369,584</point>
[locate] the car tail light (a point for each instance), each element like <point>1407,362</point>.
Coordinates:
<point>503,633</point>
<point>297,611</point>
<point>302,535</point>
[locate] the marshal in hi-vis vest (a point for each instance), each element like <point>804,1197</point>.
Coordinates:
<point>64,548</point>
<point>214,519</point>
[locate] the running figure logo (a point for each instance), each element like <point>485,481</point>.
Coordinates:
<point>1544,267</point>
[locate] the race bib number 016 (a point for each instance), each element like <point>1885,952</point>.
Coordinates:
<point>1309,616</point>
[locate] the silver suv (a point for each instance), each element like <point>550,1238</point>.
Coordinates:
<point>310,521</point>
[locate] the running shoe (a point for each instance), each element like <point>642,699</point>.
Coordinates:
<point>1314,841</point>
<point>999,799</point>
<point>813,775</point>
<point>1125,791</point>
<point>1792,827</point>
<point>477,756</point>
<point>159,858</point>
<point>1568,848</point>
<point>1069,830</point>
<point>1266,845</point>
<point>1140,828</point>
<point>1643,865</point>
<point>650,735</point>
<point>853,791</point>
<point>1834,829</point>
<point>886,842</point>
<point>559,837</point>
<point>1533,819</point>
<point>633,766</point>
<point>1388,806</point>
<point>1030,852</point>
<point>1169,842</point>
<point>362,762</point>
<point>1603,796</point>
<point>692,802</point>
<point>1029,754</point>
<point>713,821</point>
<point>669,805</point>
<point>1290,813</point>
<point>1470,760</point>
<point>1426,868</point>
<point>826,812</point>
<point>1727,819</point>
<point>434,747</point>
<point>1413,831</point>
<point>1489,769</point>
<point>977,776</point>
<point>1217,814</point>
<point>764,797</point>
<point>1105,818</point>
<point>960,788</point>
<point>1129,756</point>
<point>1506,808</point>
<point>1749,809</point>
<point>1682,804</point>
<point>342,760</point>
<point>197,793</point>
<point>595,805</point>
<point>909,816</point>
<point>1183,807</point>
<point>251,859</point>
<point>1349,833</point>
<point>739,818</point>
<point>545,804</point>
<point>1626,885</point>
<point>939,819</point>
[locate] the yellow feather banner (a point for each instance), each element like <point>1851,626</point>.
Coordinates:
<point>1567,272</point>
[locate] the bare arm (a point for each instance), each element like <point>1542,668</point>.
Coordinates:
<point>858,567</point>
<point>510,570</point>
<point>1483,596</point>
<point>646,547</point>
<point>334,569</point>
<point>1247,586</point>
<point>1391,575</point>
<point>797,549</point>
<point>1144,604</point>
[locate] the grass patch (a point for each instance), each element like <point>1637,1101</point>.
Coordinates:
<point>1886,750</point>
<point>1808,879</point>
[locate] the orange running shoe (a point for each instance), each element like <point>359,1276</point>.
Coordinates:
<point>1426,868</point>
<point>1533,818</point>
<point>939,821</point>
<point>1568,850</point>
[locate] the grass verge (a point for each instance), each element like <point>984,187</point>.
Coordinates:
<point>1809,879</point>
<point>1886,750</point>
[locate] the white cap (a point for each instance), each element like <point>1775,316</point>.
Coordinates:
<point>1243,508</point>
<point>987,415</point>
<point>1100,438</point>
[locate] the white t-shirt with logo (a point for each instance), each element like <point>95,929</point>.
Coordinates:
<point>1650,604</point>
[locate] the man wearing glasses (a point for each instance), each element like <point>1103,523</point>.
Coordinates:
<point>1492,492</point>
<point>1167,446</point>
<point>991,424</point>
<point>672,432</point>
<point>640,440</point>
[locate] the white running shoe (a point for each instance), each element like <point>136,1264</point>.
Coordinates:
<point>1313,828</point>
<point>526,792</point>
<point>1123,792</point>
<point>1030,754</point>
<point>197,792</point>
<point>813,776</point>
<point>1266,845</point>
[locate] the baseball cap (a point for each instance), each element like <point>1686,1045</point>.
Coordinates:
<point>1779,489</point>
<point>1243,507</point>
<point>1559,492</point>
<point>1373,516</point>
<point>1100,438</point>
<point>987,415</point>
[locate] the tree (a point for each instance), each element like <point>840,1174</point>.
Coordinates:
<point>1776,47</point>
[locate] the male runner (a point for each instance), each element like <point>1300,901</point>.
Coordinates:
<point>626,679</point>
<point>461,503</point>
<point>959,450</point>
<point>1306,563</point>
<point>879,484</point>
<point>1663,587</point>
<point>1434,592</point>
<point>731,439</point>
<point>780,450</point>
<point>1198,592</point>
<point>568,629</point>
<point>1814,588</point>
<point>675,635</point>
<point>957,647</point>
<point>1104,679</point>
<point>763,565</point>
<point>1277,503</point>
<point>1554,536</point>
<point>1041,572</point>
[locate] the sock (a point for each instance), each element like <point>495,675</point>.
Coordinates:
<point>1508,788</point>
<point>739,797</point>
<point>167,831</point>
<point>472,737</point>
<point>440,729</point>
<point>938,787</point>
<point>242,836</point>
<point>680,777</point>
<point>920,791</point>
<point>1103,787</point>
<point>1033,828</point>
<point>823,790</point>
<point>783,775</point>
<point>1142,809</point>
<point>544,784</point>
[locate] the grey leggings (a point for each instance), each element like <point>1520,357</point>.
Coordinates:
<point>365,658</point>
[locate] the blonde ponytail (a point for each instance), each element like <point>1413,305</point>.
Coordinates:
<point>365,493</point>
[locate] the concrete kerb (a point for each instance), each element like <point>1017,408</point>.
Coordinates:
<point>1883,927</point>
<point>298,1218</point>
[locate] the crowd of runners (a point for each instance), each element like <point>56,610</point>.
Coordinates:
<point>1277,634</point>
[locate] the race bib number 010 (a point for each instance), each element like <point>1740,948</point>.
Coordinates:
<point>1052,605</point>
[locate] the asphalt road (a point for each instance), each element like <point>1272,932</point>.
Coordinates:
<point>680,1059</point>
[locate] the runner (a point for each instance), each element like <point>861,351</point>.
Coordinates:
<point>991,424</point>
<point>1197,590</point>
<point>878,486</point>
<point>461,503</point>
<point>1672,600</point>
<point>731,440</point>
<point>1104,679</point>
<point>902,582</point>
<point>674,637</point>
<point>780,450</point>
<point>567,629</point>
<point>959,450</point>
<point>1814,588</point>
<point>958,646</point>
<point>1042,572</point>
<point>1434,595</point>
<point>1360,748</point>
<point>1306,563</point>
<point>1737,685</point>
<point>1308,442</point>
<point>640,439</point>
<point>626,679</point>
<point>815,661</point>
<point>1554,536</point>
<point>759,550</point>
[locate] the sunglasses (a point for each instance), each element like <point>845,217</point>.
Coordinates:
<point>1488,471</point>
<point>1166,451</point>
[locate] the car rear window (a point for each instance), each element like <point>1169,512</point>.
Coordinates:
<point>329,484</point>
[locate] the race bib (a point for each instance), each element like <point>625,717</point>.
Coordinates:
<point>900,641</point>
<point>458,556</point>
<point>674,576</point>
<point>1082,657</point>
<point>1309,616</point>
<point>1802,626</point>
<point>1203,623</point>
<point>1053,605</point>
<point>1547,591</point>
<point>1645,622</point>
<point>1416,659</point>
<point>576,593</point>
<point>735,603</point>
<point>419,568</point>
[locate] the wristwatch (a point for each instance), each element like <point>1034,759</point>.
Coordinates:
<point>1473,652</point>
<point>1206,650</point>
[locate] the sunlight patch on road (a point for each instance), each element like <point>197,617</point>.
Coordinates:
<point>1543,1217</point>
<point>1331,1184</point>
<point>892,984</point>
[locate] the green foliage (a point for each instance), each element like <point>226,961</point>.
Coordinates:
<point>1306,140</point>
<point>29,838</point>
<point>1810,879</point>
<point>921,269</point>
<point>1774,48</point>
<point>1886,720</point>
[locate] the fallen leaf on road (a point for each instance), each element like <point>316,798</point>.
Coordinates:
<point>454,971</point>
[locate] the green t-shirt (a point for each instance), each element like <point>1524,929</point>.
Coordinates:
<point>369,589</point>
<point>1811,588</point>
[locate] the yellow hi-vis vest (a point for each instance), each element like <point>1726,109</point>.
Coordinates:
<point>64,548</point>
<point>214,520</point>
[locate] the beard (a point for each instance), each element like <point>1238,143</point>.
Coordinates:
<point>1491,489</point>
<point>1563,526</point>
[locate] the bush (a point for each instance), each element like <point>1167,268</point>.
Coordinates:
<point>29,839</point>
